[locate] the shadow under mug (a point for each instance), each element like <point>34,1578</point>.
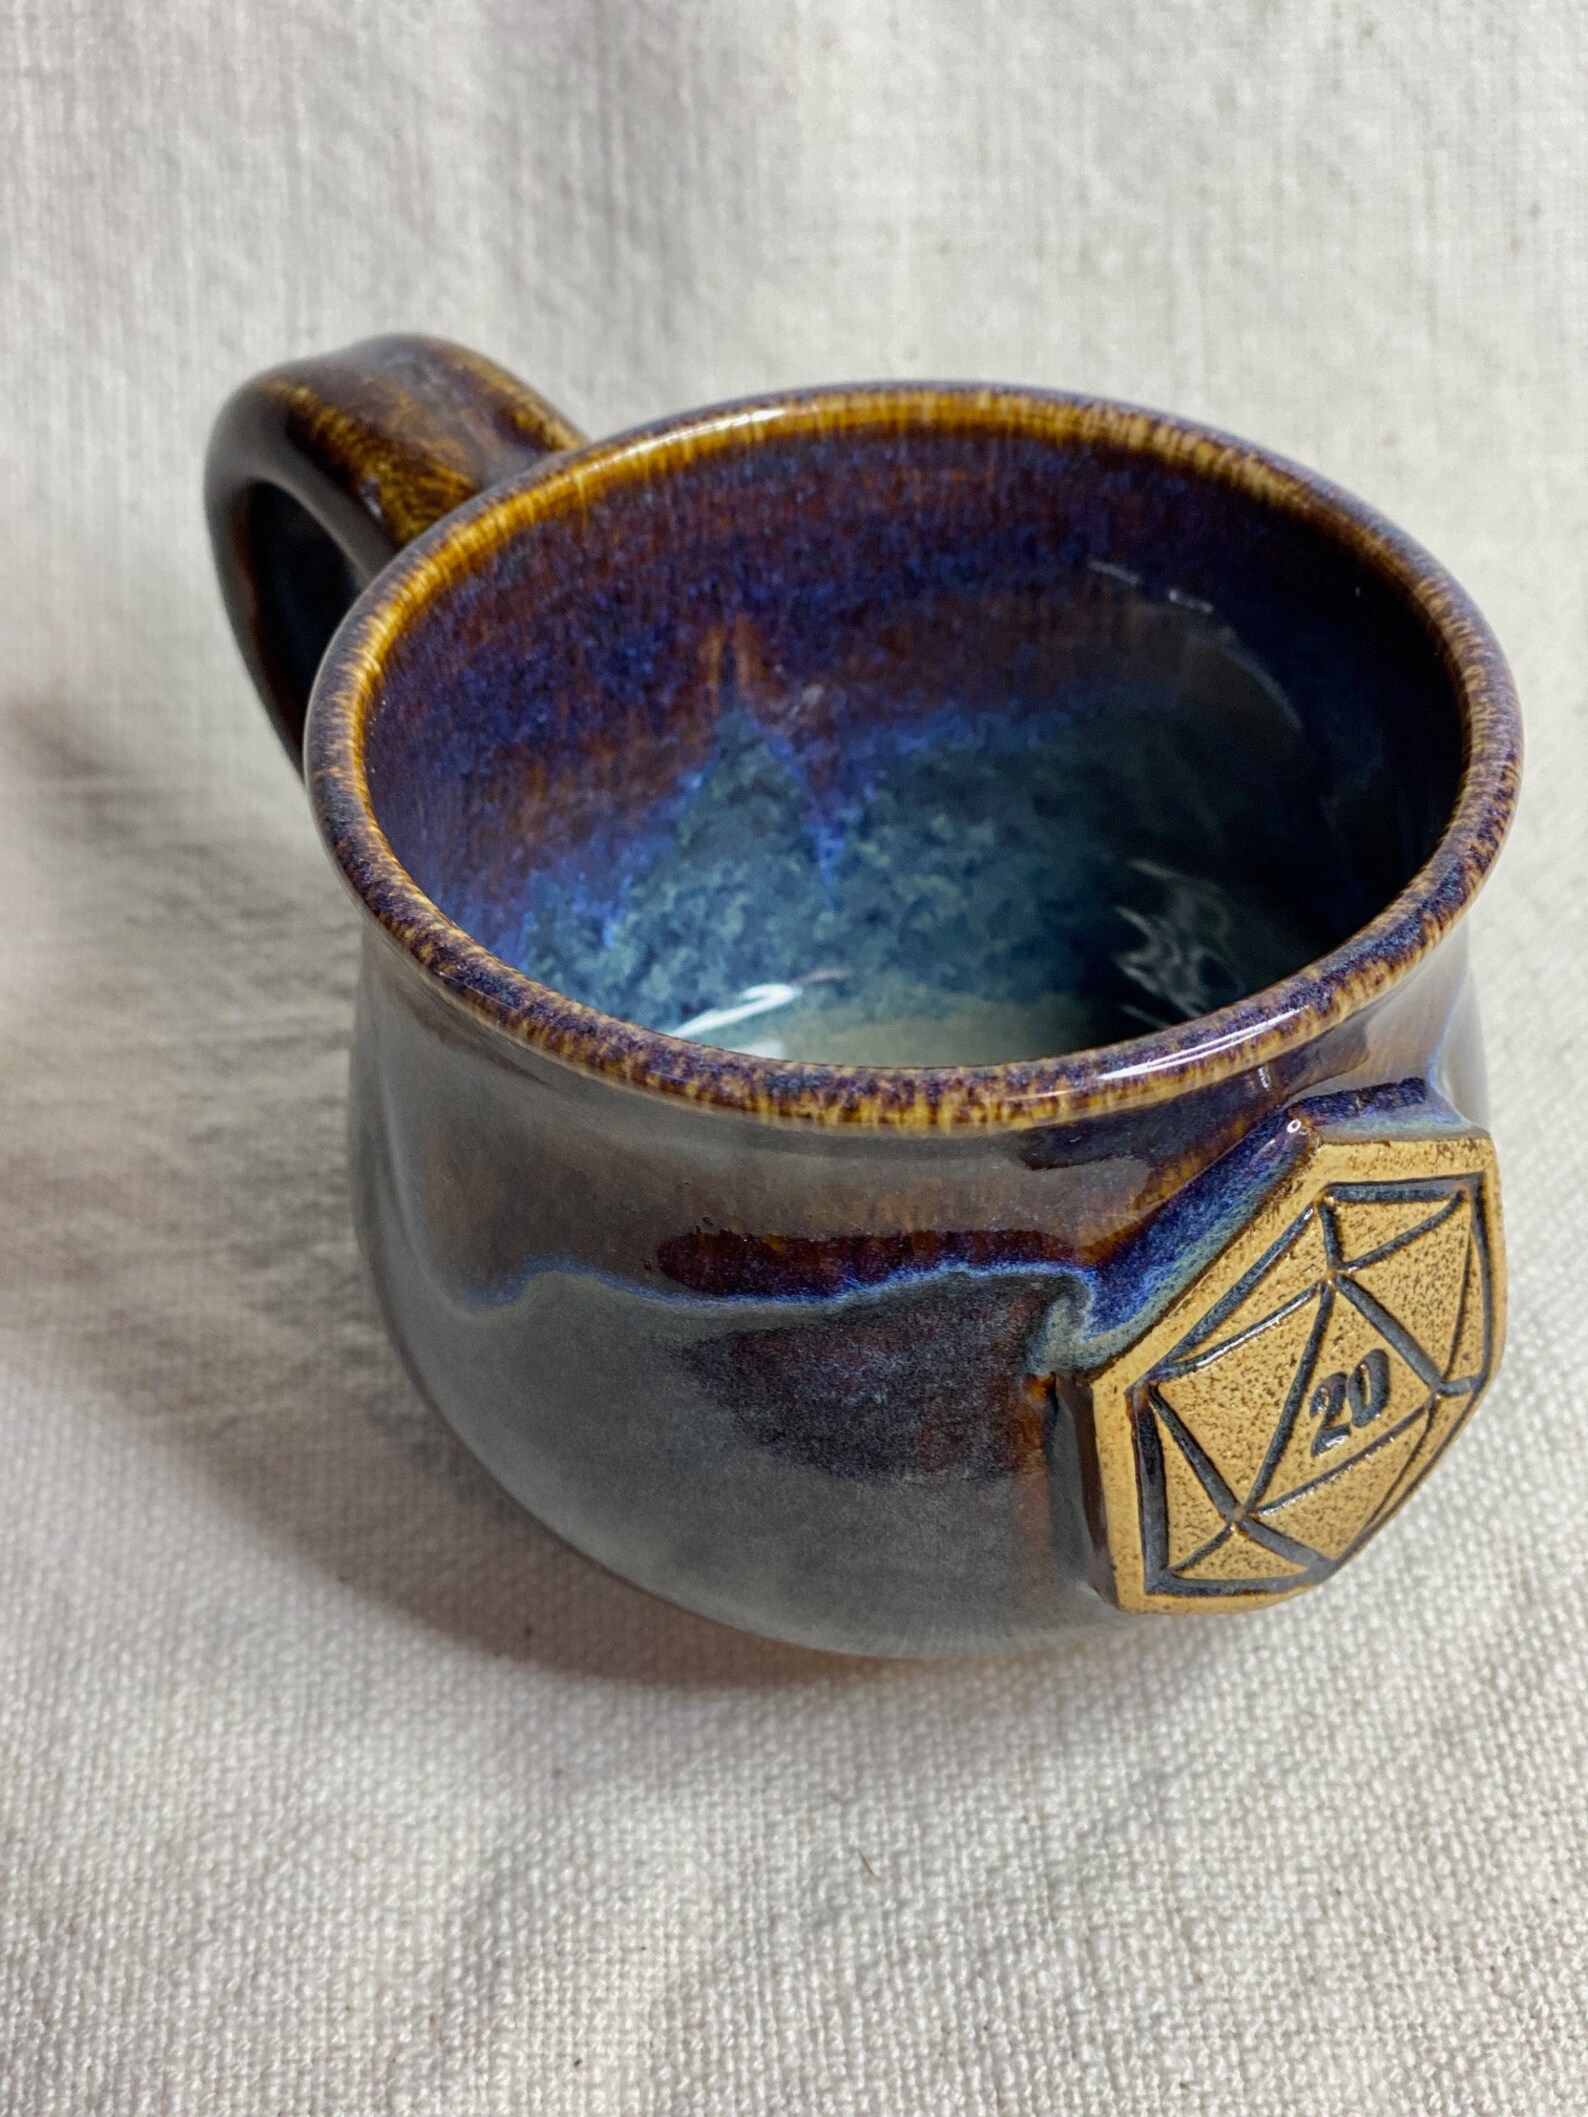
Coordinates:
<point>992,714</point>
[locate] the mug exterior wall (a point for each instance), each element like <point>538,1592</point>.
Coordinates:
<point>824,1383</point>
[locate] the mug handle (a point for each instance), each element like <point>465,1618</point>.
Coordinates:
<point>321,470</point>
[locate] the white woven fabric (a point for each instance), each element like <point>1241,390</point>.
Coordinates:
<point>327,1783</point>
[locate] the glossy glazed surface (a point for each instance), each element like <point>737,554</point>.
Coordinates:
<point>979,736</point>
<point>931,680</point>
<point>1220,493</point>
<point>818,1385</point>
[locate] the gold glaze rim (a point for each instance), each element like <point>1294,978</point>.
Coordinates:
<point>1248,1033</point>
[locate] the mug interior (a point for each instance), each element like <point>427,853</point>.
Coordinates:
<point>914,743</point>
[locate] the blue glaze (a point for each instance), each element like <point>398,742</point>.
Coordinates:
<point>804,1384</point>
<point>1075,734</point>
<point>976,723</point>
<point>1029,733</point>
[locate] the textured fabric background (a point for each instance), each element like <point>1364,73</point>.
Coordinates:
<point>327,1783</point>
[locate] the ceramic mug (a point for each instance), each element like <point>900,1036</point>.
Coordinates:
<point>1098,1217</point>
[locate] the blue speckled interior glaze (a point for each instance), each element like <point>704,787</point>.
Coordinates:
<point>972,747</point>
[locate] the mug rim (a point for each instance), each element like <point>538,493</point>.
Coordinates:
<point>1234,1039</point>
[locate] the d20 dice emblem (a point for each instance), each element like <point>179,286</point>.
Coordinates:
<point>1291,1398</point>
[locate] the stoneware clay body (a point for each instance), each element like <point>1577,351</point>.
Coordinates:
<point>915,1080</point>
